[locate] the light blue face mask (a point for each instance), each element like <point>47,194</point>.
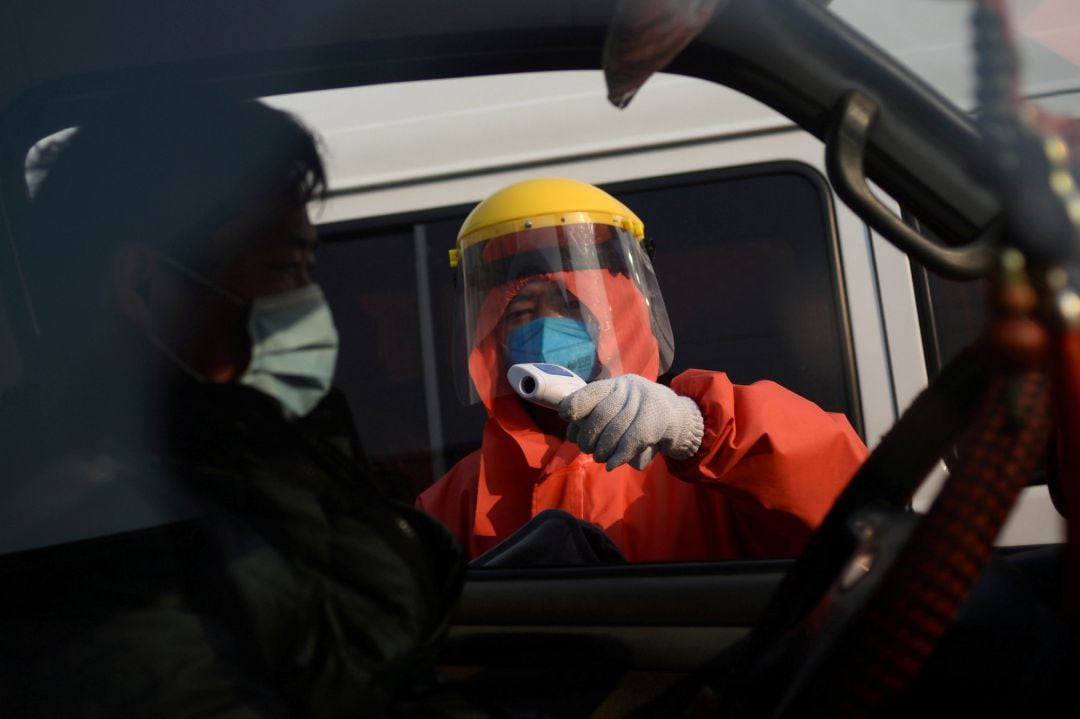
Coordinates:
<point>294,347</point>
<point>294,344</point>
<point>556,340</point>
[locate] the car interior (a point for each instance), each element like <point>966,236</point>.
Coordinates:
<point>657,630</point>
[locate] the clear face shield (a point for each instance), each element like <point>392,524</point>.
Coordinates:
<point>570,289</point>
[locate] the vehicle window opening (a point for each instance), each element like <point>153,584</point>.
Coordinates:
<point>745,258</point>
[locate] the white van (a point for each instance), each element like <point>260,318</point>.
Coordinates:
<point>731,192</point>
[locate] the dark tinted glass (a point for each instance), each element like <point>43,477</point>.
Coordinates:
<point>10,363</point>
<point>746,267</point>
<point>952,314</point>
<point>396,328</point>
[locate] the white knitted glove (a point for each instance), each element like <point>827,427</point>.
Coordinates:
<point>629,418</point>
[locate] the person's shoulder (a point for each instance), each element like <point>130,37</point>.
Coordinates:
<point>700,383</point>
<point>695,381</point>
<point>462,479</point>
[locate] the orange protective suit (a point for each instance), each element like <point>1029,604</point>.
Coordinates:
<point>768,469</point>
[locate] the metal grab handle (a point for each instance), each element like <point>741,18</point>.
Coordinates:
<point>845,150</point>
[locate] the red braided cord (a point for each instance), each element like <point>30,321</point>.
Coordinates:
<point>921,595</point>
<point>1068,381</point>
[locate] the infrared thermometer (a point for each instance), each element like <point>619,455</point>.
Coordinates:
<point>543,383</point>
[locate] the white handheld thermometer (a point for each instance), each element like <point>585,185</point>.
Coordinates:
<point>543,383</point>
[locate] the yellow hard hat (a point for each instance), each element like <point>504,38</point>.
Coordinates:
<point>543,202</point>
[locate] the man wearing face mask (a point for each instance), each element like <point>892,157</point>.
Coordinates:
<point>554,270</point>
<point>188,528</point>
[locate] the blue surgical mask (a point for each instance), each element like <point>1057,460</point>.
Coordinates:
<point>557,340</point>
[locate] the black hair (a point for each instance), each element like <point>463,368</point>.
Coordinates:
<point>166,170</point>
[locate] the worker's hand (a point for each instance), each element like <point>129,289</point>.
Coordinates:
<point>629,418</point>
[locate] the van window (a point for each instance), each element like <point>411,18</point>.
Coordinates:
<point>952,314</point>
<point>746,260</point>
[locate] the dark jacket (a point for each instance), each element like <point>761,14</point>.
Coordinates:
<point>297,591</point>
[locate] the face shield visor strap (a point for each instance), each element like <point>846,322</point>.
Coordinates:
<point>485,276</point>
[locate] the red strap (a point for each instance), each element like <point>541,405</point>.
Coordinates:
<point>921,595</point>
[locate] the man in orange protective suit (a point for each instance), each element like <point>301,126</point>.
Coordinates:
<point>553,270</point>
